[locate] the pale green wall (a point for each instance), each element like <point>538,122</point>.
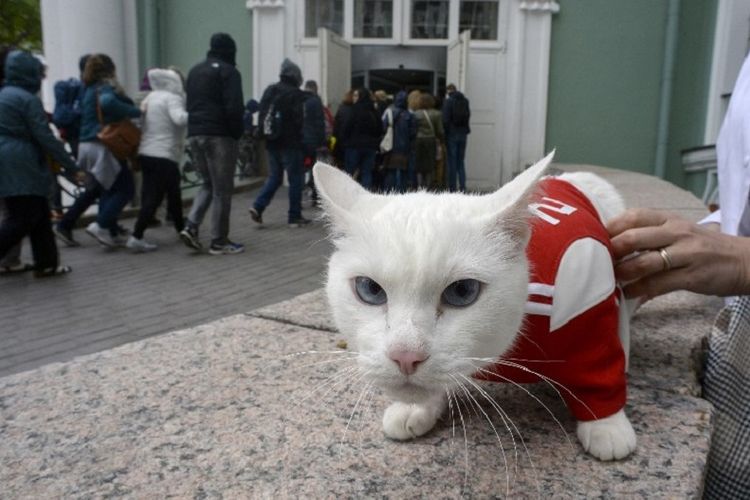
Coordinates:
<point>180,33</point>
<point>692,79</point>
<point>605,70</point>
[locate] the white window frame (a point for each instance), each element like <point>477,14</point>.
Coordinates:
<point>406,27</point>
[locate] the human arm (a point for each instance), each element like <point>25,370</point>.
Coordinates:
<point>36,120</point>
<point>233,102</point>
<point>702,259</point>
<point>176,109</point>
<point>113,108</point>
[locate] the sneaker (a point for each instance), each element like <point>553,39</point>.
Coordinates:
<point>299,222</point>
<point>140,245</point>
<point>101,235</point>
<point>227,248</point>
<point>65,235</point>
<point>189,237</point>
<point>255,215</point>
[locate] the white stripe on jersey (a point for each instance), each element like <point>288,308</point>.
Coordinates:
<point>542,289</point>
<point>538,309</point>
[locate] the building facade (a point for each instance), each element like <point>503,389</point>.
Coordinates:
<point>621,84</point>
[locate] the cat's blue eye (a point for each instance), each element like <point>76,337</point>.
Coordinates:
<point>369,291</point>
<point>461,293</point>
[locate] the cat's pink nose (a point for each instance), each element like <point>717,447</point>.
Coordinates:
<point>407,360</point>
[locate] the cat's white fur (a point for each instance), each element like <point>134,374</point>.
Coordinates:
<point>414,246</point>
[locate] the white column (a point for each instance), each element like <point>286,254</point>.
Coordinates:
<point>71,28</point>
<point>269,42</point>
<point>528,80</point>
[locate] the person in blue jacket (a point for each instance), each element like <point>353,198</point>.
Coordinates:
<point>26,142</point>
<point>110,179</point>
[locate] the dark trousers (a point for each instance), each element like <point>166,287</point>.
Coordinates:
<point>280,160</point>
<point>87,198</point>
<point>114,199</point>
<point>29,216</point>
<point>161,177</point>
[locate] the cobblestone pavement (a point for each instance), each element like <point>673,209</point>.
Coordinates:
<point>114,296</point>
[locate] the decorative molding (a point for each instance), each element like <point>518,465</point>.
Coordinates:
<point>264,4</point>
<point>540,6</point>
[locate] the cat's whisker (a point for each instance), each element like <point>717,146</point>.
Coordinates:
<point>508,423</point>
<point>466,443</point>
<point>492,425</point>
<point>365,416</point>
<point>332,381</point>
<point>305,353</point>
<point>356,406</point>
<point>326,362</point>
<point>551,382</point>
<point>535,398</point>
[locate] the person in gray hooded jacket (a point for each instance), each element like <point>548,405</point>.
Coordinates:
<point>26,142</point>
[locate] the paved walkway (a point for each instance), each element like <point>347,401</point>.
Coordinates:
<point>115,297</point>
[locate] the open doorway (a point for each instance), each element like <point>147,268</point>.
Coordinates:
<point>399,68</point>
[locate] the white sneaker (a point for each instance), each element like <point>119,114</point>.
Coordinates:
<point>100,234</point>
<point>141,245</point>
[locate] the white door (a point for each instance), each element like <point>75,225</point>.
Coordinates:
<point>335,68</point>
<point>458,61</point>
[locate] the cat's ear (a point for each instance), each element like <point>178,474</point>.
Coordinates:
<point>339,192</point>
<point>510,202</point>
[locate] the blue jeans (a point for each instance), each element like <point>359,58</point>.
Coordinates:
<point>456,153</point>
<point>395,180</point>
<point>114,199</point>
<point>279,160</point>
<point>362,158</point>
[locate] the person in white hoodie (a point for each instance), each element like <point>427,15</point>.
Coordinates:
<point>162,136</point>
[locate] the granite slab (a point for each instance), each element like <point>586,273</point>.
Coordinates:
<point>228,409</point>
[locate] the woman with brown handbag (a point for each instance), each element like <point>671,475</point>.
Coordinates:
<point>104,104</point>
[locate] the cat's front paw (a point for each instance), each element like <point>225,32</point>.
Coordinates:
<point>610,438</point>
<point>406,421</point>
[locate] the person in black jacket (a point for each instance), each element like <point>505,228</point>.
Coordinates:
<point>215,109</point>
<point>362,133</point>
<point>282,119</point>
<point>456,115</point>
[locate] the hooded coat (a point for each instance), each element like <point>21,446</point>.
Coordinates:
<point>363,128</point>
<point>215,103</point>
<point>25,135</point>
<point>289,99</point>
<point>164,116</point>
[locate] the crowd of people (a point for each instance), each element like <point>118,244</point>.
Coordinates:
<point>389,143</point>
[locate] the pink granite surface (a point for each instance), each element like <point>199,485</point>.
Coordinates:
<point>223,410</point>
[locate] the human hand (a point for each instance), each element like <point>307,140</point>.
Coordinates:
<point>675,254</point>
<point>80,177</point>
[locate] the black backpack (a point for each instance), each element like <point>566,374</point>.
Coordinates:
<point>460,113</point>
<point>272,118</point>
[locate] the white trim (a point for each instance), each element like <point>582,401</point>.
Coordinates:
<point>537,309</point>
<point>542,289</point>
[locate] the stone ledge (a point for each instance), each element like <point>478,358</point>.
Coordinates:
<point>221,409</point>
<point>224,410</point>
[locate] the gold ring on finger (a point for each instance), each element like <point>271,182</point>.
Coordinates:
<point>665,257</point>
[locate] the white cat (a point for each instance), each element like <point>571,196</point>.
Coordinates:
<point>432,289</point>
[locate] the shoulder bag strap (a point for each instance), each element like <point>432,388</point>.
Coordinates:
<point>427,115</point>
<point>99,115</point>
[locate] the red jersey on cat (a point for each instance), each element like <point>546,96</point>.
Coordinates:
<point>570,332</point>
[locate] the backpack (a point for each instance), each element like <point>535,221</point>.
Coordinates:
<point>67,112</point>
<point>460,113</point>
<point>271,122</point>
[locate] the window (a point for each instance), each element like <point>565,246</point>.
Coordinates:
<point>373,18</point>
<point>324,14</point>
<point>479,16</point>
<point>429,19</point>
